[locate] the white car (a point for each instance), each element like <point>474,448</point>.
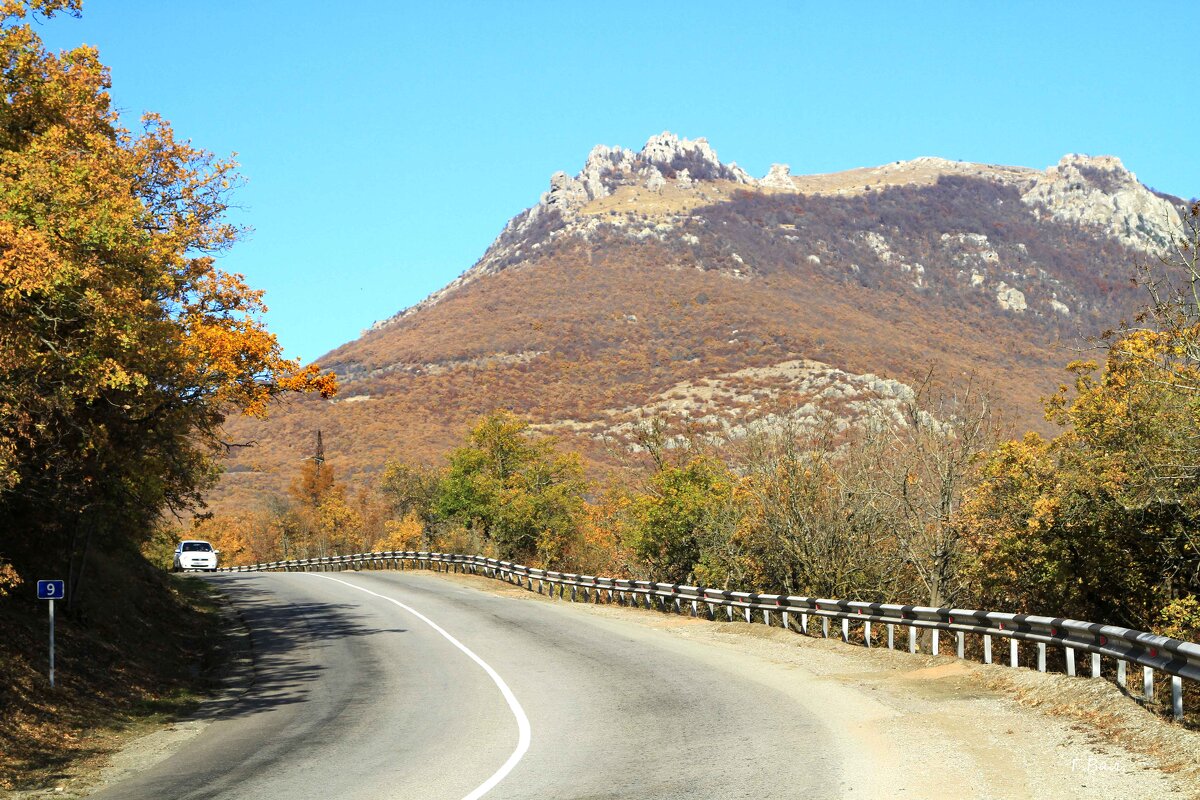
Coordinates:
<point>195,554</point>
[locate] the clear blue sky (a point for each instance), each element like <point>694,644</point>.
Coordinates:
<point>386,144</point>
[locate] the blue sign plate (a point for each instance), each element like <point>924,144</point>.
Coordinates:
<point>51,590</point>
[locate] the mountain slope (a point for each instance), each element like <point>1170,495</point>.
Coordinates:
<point>666,281</point>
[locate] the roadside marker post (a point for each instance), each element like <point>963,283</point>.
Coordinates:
<point>51,590</point>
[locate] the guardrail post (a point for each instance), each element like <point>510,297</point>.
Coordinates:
<point>912,638</point>
<point>935,641</point>
<point>1095,665</point>
<point>1122,681</point>
<point>891,636</point>
<point>1014,653</point>
<point>825,627</point>
<point>867,633</point>
<point>787,622</point>
<point>804,624</point>
<point>1148,684</point>
<point>729,609</point>
<point>695,609</point>
<point>961,648</point>
<point>845,629</point>
<point>1070,654</point>
<point>748,612</point>
<point>767,617</point>
<point>572,593</point>
<point>1041,665</point>
<point>987,648</point>
<point>1177,697</point>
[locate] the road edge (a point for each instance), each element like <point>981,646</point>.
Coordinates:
<point>234,678</point>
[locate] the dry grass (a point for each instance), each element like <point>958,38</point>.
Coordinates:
<point>920,172</point>
<point>1106,710</point>
<point>671,200</point>
<point>666,202</point>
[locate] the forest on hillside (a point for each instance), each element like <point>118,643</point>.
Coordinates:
<point>888,283</point>
<point>1095,521</point>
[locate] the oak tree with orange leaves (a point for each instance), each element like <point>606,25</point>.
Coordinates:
<point>1101,521</point>
<point>122,346</point>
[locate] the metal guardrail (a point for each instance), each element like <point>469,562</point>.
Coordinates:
<point>1179,659</point>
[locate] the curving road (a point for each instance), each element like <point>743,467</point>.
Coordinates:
<point>415,686</point>
<point>357,696</point>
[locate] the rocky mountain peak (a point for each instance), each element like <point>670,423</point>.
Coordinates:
<point>653,191</point>
<point>1100,191</point>
<point>664,158</point>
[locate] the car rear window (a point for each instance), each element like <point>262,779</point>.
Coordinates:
<point>197,547</point>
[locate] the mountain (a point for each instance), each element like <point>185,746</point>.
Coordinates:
<point>665,281</point>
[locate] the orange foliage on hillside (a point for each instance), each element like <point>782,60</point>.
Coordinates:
<point>609,322</point>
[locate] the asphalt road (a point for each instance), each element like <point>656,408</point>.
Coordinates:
<point>358,694</point>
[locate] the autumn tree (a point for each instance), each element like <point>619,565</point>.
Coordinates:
<point>408,490</point>
<point>816,520</point>
<point>928,464</point>
<point>683,509</point>
<point>122,345</point>
<point>679,517</point>
<point>517,491</point>
<point>312,484</point>
<point>1099,522</point>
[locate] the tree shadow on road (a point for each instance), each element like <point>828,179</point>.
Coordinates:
<point>275,664</point>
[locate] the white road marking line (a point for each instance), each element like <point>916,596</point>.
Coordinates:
<point>523,729</point>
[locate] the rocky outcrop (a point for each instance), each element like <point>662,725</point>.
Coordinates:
<point>1098,191</point>
<point>664,158</point>
<point>1010,298</point>
<point>778,177</point>
<point>799,394</point>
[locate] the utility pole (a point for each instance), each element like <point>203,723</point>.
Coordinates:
<point>319,460</point>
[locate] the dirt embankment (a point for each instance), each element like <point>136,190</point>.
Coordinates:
<point>140,649</point>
